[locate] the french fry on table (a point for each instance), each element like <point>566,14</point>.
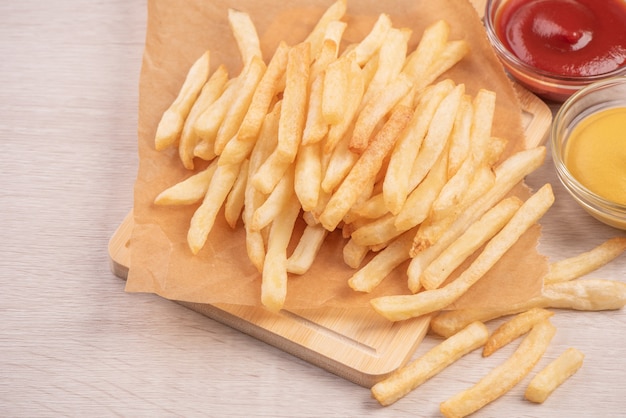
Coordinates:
<point>553,375</point>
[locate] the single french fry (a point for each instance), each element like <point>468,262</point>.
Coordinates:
<point>203,218</point>
<point>554,375</point>
<point>397,308</point>
<point>339,165</point>
<point>431,44</point>
<point>239,107</point>
<point>245,34</point>
<point>292,117</point>
<point>233,207</point>
<point>580,295</point>
<point>188,191</point>
<point>452,53</point>
<point>335,91</point>
<point>460,143</point>
<point>171,124</point>
<point>274,275</point>
<point>354,254</point>
<point>574,267</point>
<point>315,127</point>
<point>308,176</point>
<point>305,252</point>
<point>437,136</point>
<point>504,377</point>
<point>356,89</point>
<point>396,183</point>
<point>383,263</point>
<point>372,208</point>
<point>366,167</point>
<point>471,240</point>
<point>213,89</point>
<point>514,328</point>
<point>371,43</point>
<point>409,377</point>
<point>508,174</point>
<point>375,110</point>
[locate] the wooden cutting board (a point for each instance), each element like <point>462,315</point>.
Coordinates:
<point>358,345</point>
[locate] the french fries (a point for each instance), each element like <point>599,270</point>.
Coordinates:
<point>407,378</point>
<point>553,375</point>
<point>513,328</point>
<point>504,377</point>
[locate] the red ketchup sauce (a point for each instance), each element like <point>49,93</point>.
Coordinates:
<point>570,38</point>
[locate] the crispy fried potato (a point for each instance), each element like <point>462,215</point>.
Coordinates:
<point>514,328</point>
<point>303,256</point>
<point>574,267</point>
<point>581,295</point>
<point>554,375</point>
<point>188,191</point>
<point>504,377</point>
<point>172,121</point>
<point>245,34</point>
<point>409,377</point>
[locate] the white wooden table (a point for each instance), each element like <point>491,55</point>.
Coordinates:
<point>72,343</point>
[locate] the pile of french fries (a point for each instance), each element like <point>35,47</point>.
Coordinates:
<point>368,139</point>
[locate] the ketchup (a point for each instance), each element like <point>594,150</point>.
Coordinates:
<point>565,37</point>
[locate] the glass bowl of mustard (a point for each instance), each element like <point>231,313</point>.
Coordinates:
<point>555,47</point>
<point>588,140</point>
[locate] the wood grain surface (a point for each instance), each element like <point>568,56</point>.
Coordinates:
<point>72,343</point>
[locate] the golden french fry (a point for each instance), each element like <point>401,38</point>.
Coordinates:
<point>335,91</point>
<point>188,191</point>
<point>233,206</point>
<point>371,43</point>
<point>305,252</point>
<point>409,377</point>
<point>581,295</point>
<point>397,308</point>
<point>292,117</point>
<point>341,162</point>
<point>508,174</point>
<point>471,240</point>
<point>372,208</point>
<point>308,176</point>
<point>376,232</point>
<point>514,328</point>
<point>383,263</point>
<point>460,143</point>
<point>504,377</point>
<point>437,136</point>
<point>366,167</point>
<point>245,34</point>
<point>554,375</point>
<point>431,44</point>
<point>203,218</point>
<point>356,89</point>
<point>171,124</point>
<point>396,182</point>
<point>213,89</point>
<point>375,110</point>
<point>316,127</point>
<point>452,53</point>
<point>239,107</point>
<point>274,275</point>
<point>316,37</point>
<point>574,267</point>
<point>354,254</point>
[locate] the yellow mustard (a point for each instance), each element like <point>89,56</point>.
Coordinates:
<point>596,153</point>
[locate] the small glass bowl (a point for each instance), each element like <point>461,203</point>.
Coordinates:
<point>593,98</point>
<point>549,86</point>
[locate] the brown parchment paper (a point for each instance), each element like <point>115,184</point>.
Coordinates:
<point>177,33</point>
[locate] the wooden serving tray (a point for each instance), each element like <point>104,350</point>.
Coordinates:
<point>358,345</point>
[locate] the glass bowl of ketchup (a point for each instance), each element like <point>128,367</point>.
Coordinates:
<point>588,140</point>
<point>555,47</point>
